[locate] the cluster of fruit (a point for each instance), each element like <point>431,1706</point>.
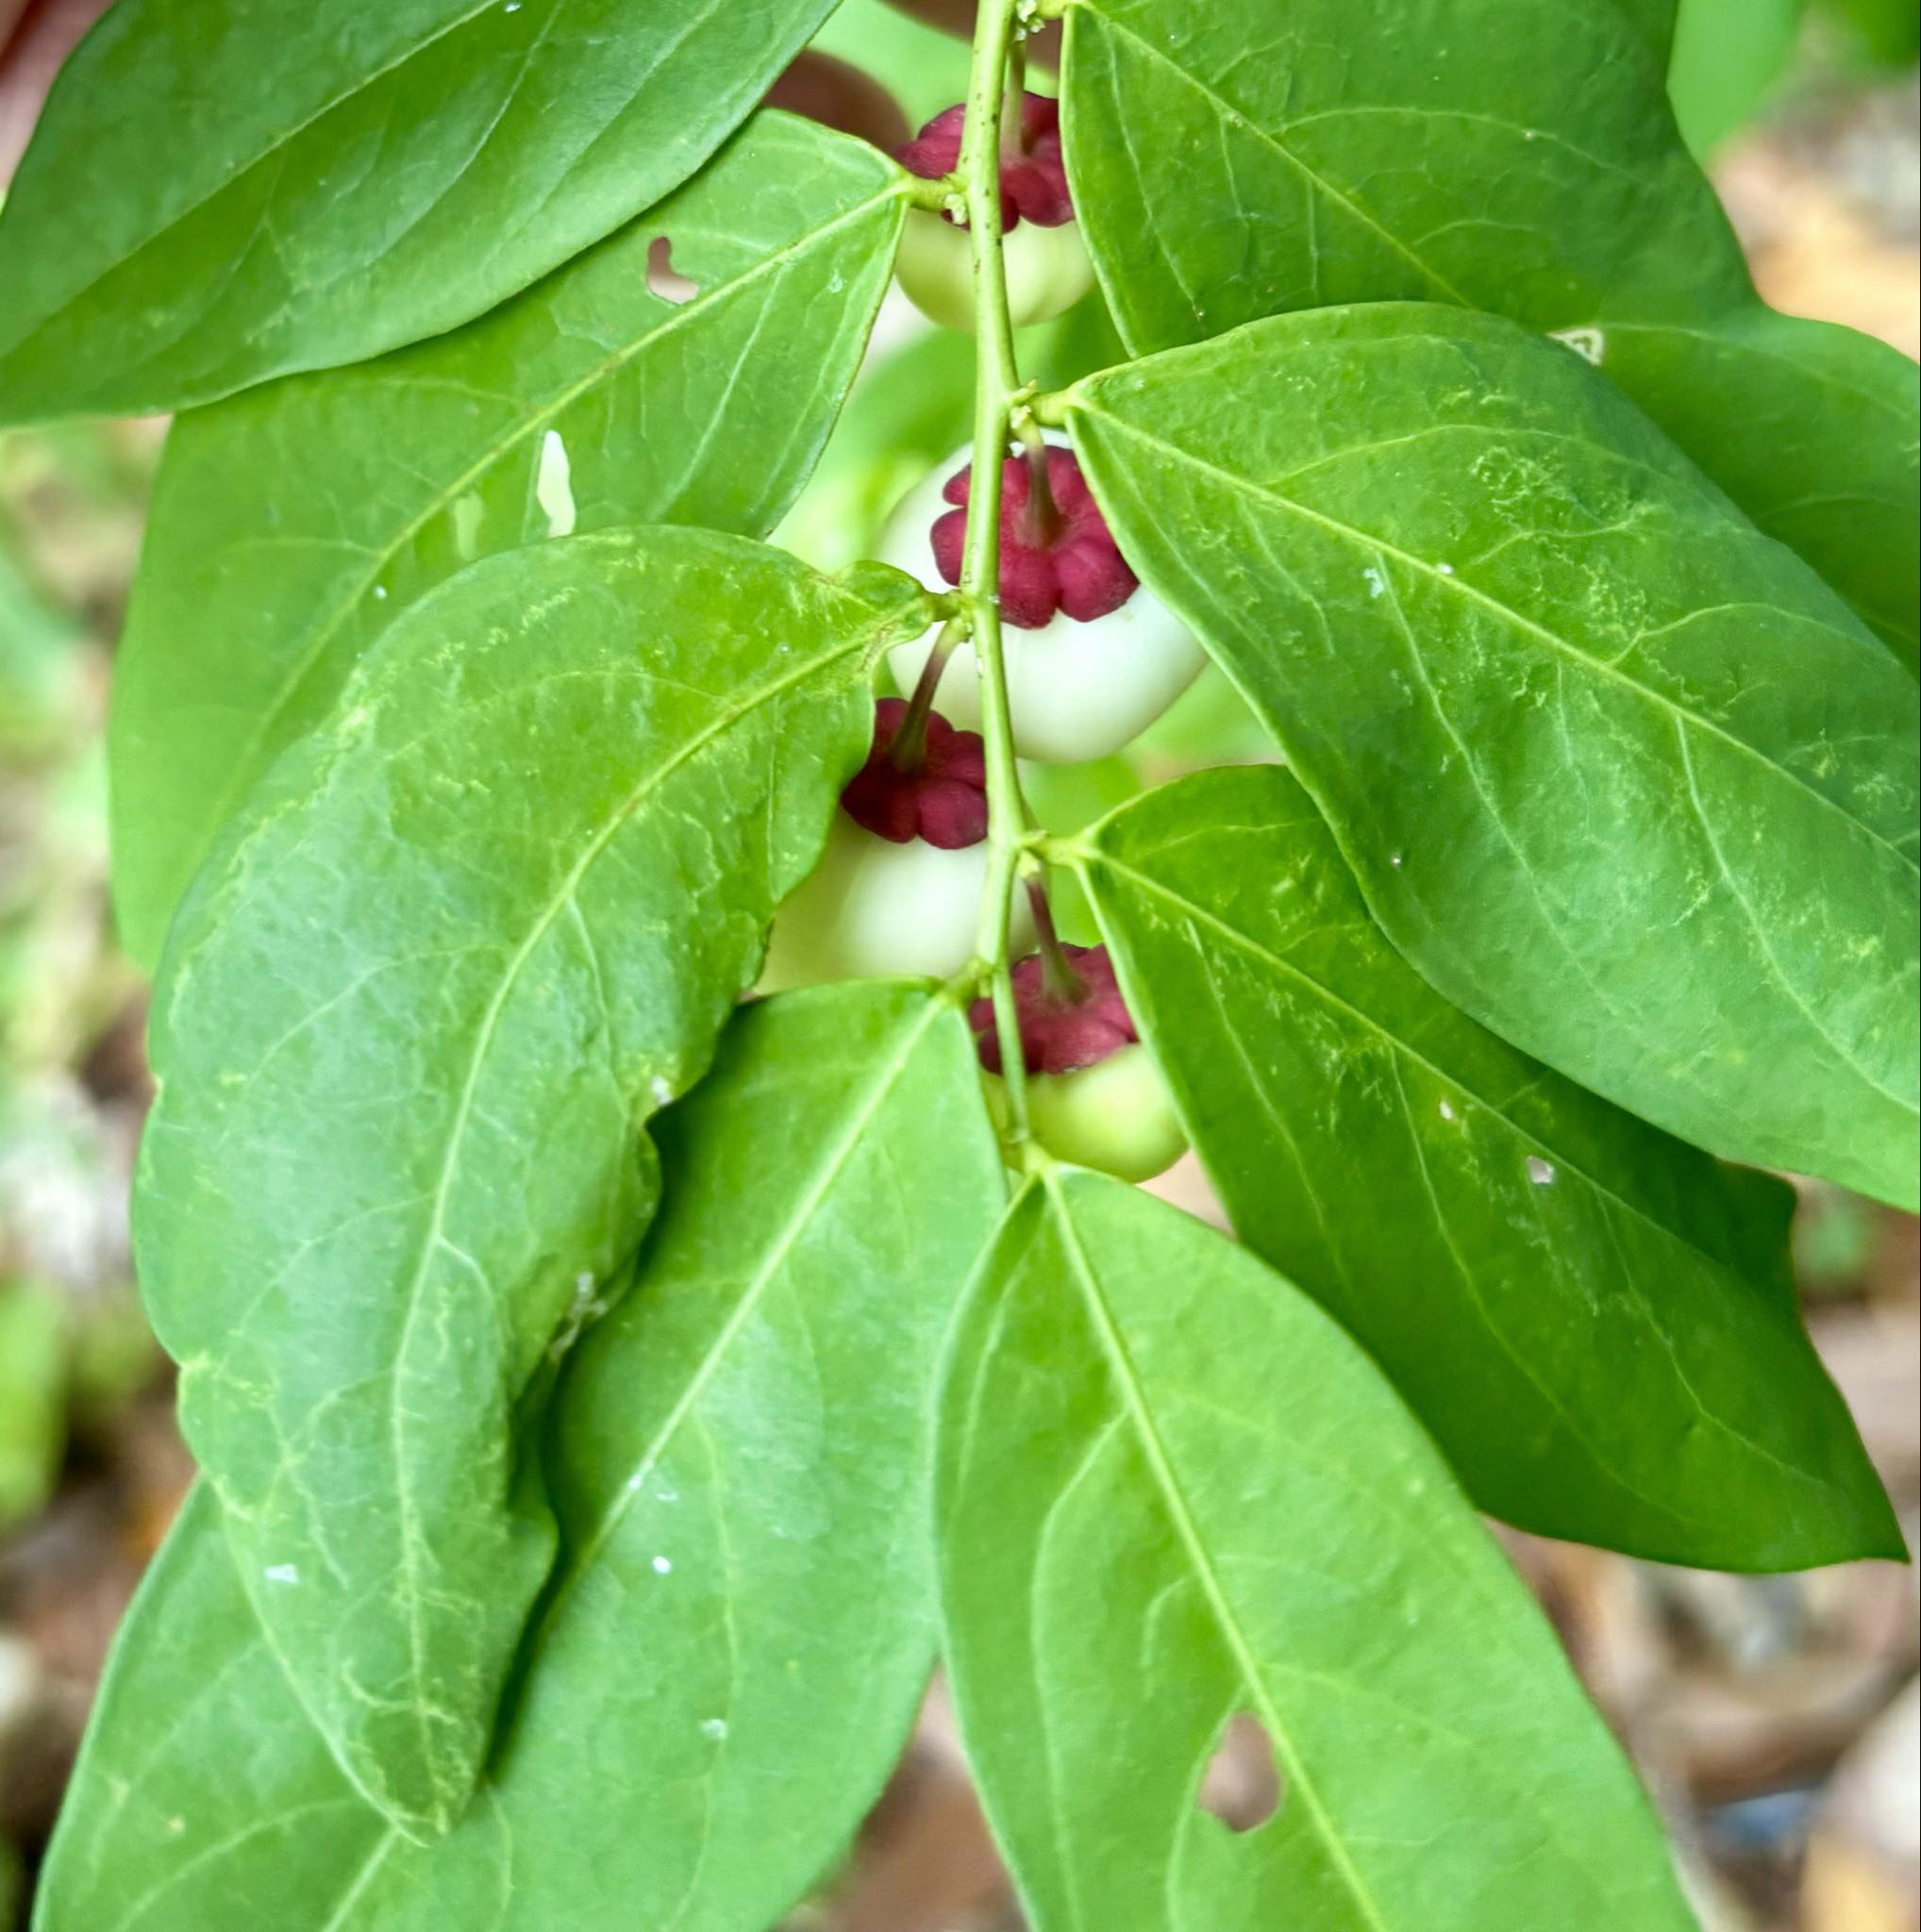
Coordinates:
<point>1091,658</point>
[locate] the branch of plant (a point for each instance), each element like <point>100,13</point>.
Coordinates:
<point>996,385</point>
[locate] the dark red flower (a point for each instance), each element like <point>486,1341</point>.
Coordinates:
<point>1059,1034</point>
<point>942,798</point>
<point>1074,566</point>
<point>1033,179</point>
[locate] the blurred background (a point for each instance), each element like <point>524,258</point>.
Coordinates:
<point>1777,1720</point>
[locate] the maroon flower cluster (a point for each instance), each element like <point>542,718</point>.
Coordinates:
<point>1060,1036</point>
<point>1074,566</point>
<point>1033,181</point>
<point>942,797</point>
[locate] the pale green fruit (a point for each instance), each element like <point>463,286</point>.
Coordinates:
<point>1116,1116</point>
<point>1075,691</point>
<point>873,909</point>
<point>1047,270</point>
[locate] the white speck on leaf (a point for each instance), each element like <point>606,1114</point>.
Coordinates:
<point>282,1573</point>
<point>469,512</point>
<point>554,484</point>
<point>663,1565</point>
<point>379,593</point>
<point>1590,344</point>
<point>1447,1111</point>
<point>1393,859</point>
<point>662,1089</point>
<point>714,1728</point>
<point>1446,570</point>
<point>1540,1172</point>
<point>1376,584</point>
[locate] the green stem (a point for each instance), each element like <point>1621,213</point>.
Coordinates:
<point>996,380</point>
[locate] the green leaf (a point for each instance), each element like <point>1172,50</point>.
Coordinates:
<point>1619,774</point>
<point>1228,164</point>
<point>223,191</point>
<point>1727,55</point>
<point>464,939</point>
<point>924,69</point>
<point>290,525</point>
<point>1656,19</point>
<point>1597,1323</point>
<point>742,1619</point>
<point>1172,1492</point>
<point>1877,31</point>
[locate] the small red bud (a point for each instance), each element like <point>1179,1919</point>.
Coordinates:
<point>942,799</point>
<point>1033,180</point>
<point>1060,1036</point>
<point>1077,568</point>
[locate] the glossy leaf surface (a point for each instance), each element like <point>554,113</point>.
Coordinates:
<point>1173,1491</point>
<point>465,938</point>
<point>1597,1323</point>
<point>1230,163</point>
<point>270,188</point>
<point>291,525</point>
<point>1621,776</point>
<point>742,1619</point>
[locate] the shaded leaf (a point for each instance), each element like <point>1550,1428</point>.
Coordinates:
<point>908,412</point>
<point>923,68</point>
<point>464,937</point>
<point>291,525</point>
<point>1727,57</point>
<point>1597,1323</point>
<point>742,1622</point>
<point>267,189</point>
<point>1228,164</point>
<point>1172,1492</point>
<point>1618,773</point>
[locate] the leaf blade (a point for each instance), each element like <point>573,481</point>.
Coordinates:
<point>1308,1561</point>
<point>1597,1323</point>
<point>406,1030</point>
<point>1495,621</point>
<point>265,195</point>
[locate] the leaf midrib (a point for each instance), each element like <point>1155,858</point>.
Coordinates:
<point>1399,1052</point>
<point>1316,181</point>
<point>1458,585</point>
<point>1402,1049</point>
<point>408,1525</point>
<point>686,314</point>
<point>1253,1677</point>
<point>835,1162</point>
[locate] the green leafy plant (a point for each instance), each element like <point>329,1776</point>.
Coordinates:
<point>613,1391</point>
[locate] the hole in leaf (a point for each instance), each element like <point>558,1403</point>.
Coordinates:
<point>663,278</point>
<point>1242,1785</point>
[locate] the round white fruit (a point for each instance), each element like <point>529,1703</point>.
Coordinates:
<point>1047,270</point>
<point>873,909</point>
<point>1075,691</point>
